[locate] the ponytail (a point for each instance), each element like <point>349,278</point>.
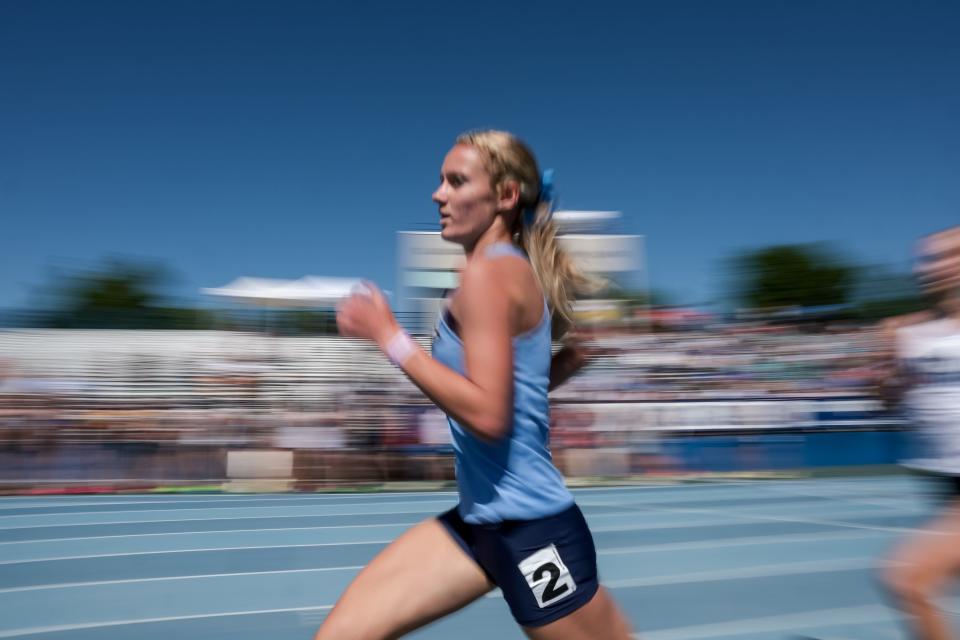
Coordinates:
<point>558,275</point>
<point>507,158</point>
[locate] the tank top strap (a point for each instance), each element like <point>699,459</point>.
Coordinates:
<point>504,249</point>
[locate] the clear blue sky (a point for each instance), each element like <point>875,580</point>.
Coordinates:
<point>279,139</point>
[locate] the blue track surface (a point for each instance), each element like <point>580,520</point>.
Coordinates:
<point>752,560</point>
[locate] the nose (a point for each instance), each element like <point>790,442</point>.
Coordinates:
<point>440,195</point>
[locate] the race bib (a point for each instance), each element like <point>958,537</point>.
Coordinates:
<point>547,576</point>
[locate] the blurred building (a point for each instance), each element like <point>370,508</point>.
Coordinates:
<point>429,265</point>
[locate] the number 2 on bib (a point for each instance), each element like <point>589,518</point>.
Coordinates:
<point>547,576</point>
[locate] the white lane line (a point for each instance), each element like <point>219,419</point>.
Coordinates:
<point>759,571</point>
<point>784,511</point>
<point>795,520</point>
<point>294,499</point>
<point>661,635</point>
<point>726,501</point>
<point>742,541</point>
<point>24,502</point>
<point>595,530</point>
<point>674,485</point>
<point>201,576</point>
<point>863,485</point>
<point>782,501</point>
<point>626,514</point>
<point>872,499</point>
<point>248,547</point>
<point>163,552</point>
<point>637,527</point>
<point>439,503</point>
<point>755,502</point>
<point>32,502</point>
<point>212,531</point>
<point>819,618</point>
<point>430,513</point>
<point>27,631</point>
<point>218,518</point>
<point>629,505</point>
<point>262,515</point>
<point>654,548</point>
<point>682,524</point>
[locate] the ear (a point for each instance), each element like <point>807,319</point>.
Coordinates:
<point>508,195</point>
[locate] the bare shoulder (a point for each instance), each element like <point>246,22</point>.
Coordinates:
<point>481,275</point>
<point>504,283</point>
<point>484,289</point>
<point>502,273</point>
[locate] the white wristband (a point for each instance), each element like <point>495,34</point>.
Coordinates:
<point>400,347</point>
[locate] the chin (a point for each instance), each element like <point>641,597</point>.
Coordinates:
<point>447,235</point>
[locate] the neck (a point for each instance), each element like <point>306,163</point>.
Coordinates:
<point>496,234</point>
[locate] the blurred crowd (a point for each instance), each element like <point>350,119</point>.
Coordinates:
<point>730,362</point>
<point>133,406</point>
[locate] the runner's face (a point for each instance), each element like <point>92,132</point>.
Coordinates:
<point>938,263</point>
<point>466,198</point>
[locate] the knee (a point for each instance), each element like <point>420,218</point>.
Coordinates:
<point>906,584</point>
<point>339,628</point>
<point>327,631</point>
<point>333,629</point>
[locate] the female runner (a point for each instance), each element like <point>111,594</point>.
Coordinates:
<point>516,526</point>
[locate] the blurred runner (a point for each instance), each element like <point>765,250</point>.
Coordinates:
<point>927,379</point>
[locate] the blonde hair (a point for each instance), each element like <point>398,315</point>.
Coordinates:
<point>507,158</point>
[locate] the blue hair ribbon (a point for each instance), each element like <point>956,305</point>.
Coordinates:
<point>548,194</point>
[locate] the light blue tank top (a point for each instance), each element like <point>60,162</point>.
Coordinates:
<point>513,478</point>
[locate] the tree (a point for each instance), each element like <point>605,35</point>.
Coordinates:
<point>793,276</point>
<point>883,292</point>
<point>122,294</point>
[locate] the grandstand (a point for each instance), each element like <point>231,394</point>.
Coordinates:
<point>645,401</point>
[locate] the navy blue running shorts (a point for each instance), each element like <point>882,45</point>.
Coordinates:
<point>949,488</point>
<point>942,488</point>
<point>546,568</point>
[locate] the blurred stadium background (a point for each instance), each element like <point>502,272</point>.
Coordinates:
<point>110,390</point>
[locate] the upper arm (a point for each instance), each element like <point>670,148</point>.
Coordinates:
<point>485,327</point>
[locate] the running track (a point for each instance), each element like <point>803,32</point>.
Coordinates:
<point>747,560</point>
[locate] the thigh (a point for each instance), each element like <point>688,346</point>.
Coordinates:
<point>929,557</point>
<point>421,576</point>
<point>599,619</point>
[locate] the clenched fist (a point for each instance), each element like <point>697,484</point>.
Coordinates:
<point>366,314</point>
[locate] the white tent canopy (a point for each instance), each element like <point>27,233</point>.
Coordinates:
<point>308,291</point>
